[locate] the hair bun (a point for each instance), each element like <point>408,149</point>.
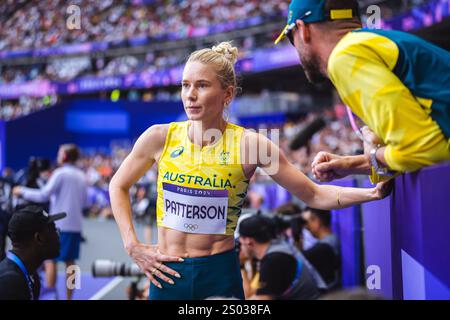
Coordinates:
<point>227,50</point>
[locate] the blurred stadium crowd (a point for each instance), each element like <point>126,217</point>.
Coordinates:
<point>36,24</point>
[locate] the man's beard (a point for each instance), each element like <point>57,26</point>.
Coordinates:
<point>312,70</point>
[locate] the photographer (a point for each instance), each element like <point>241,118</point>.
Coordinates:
<point>284,274</point>
<point>34,238</point>
<point>324,255</point>
<point>35,176</point>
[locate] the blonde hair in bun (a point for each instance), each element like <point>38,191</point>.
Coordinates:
<point>223,56</point>
<point>227,50</point>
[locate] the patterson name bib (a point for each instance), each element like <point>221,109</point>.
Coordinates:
<point>195,210</point>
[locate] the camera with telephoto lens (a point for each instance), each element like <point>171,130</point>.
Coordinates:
<point>107,268</point>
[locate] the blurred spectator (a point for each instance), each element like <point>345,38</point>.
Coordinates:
<point>120,66</point>
<point>143,205</point>
<point>292,213</point>
<point>11,109</point>
<point>34,177</point>
<point>256,199</point>
<point>325,254</point>
<point>249,264</point>
<point>249,272</point>
<point>283,271</point>
<point>67,68</point>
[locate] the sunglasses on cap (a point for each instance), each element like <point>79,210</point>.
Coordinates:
<point>288,31</point>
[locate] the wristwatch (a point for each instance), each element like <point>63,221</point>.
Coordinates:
<point>382,171</point>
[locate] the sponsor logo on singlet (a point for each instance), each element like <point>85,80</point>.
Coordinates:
<point>177,152</point>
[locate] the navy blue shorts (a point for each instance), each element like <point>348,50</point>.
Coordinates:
<point>70,246</point>
<point>201,278</point>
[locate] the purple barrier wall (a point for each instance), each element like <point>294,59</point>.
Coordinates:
<point>346,225</point>
<point>274,195</point>
<point>407,237</point>
<point>376,221</point>
<point>421,217</point>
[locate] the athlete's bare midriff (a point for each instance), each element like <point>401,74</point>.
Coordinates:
<point>177,243</point>
<point>189,245</point>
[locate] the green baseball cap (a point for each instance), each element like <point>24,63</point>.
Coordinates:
<point>311,11</point>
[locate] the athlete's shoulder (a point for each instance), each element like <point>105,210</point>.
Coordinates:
<point>157,132</point>
<point>152,140</point>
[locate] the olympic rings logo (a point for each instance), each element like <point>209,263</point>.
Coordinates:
<point>191,227</point>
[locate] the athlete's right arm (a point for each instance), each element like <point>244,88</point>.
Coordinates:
<point>139,161</point>
<point>146,151</point>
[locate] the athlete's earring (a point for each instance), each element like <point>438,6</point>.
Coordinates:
<point>226,112</point>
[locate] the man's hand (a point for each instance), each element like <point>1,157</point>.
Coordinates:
<point>370,139</point>
<point>370,136</point>
<point>327,167</point>
<point>17,191</point>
